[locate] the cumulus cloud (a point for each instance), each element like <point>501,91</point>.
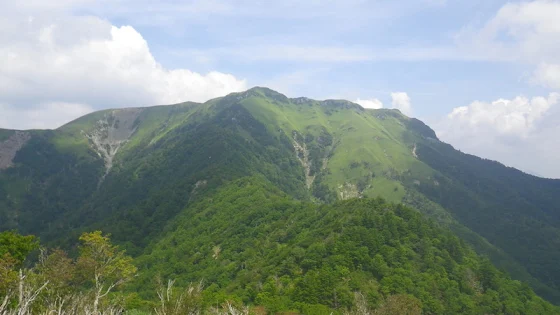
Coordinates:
<point>86,60</point>
<point>508,117</point>
<point>525,32</point>
<point>401,101</point>
<point>548,75</point>
<point>369,103</point>
<point>519,132</point>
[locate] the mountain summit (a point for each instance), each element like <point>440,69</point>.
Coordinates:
<point>134,172</point>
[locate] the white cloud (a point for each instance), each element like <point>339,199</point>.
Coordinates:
<point>86,60</point>
<point>369,103</point>
<point>42,116</point>
<point>548,75</point>
<point>519,132</point>
<point>525,32</point>
<point>401,101</point>
<point>506,117</point>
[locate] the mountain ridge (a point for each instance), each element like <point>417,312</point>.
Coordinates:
<point>133,173</point>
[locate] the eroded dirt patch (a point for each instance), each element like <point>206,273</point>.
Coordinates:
<point>112,132</point>
<point>10,147</point>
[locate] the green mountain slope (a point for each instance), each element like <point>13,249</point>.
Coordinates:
<point>384,153</point>
<point>134,172</point>
<point>515,211</point>
<point>164,157</point>
<point>250,242</point>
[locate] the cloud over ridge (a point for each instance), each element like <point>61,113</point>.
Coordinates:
<point>91,63</point>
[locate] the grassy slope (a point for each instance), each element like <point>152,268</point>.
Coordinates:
<point>359,136</point>
<point>153,124</point>
<point>378,142</point>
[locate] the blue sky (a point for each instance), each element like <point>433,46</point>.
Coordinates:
<point>483,74</point>
<point>354,49</point>
<point>365,49</point>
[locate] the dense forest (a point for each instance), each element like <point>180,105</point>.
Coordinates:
<point>515,211</point>
<point>251,247</point>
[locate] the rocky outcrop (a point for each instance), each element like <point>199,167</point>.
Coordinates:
<point>111,133</point>
<point>348,191</point>
<point>301,100</point>
<point>341,104</point>
<point>303,156</point>
<point>10,147</point>
<point>257,92</point>
<point>313,153</point>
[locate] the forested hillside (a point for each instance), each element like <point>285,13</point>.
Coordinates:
<point>153,177</point>
<point>251,245</point>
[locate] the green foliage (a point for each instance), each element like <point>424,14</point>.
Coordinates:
<point>101,264</point>
<point>161,175</point>
<point>250,242</point>
<point>44,186</point>
<point>58,284</point>
<point>14,250</point>
<point>516,212</point>
<point>17,246</point>
<point>8,274</point>
<point>401,304</point>
<point>179,156</point>
<point>254,245</point>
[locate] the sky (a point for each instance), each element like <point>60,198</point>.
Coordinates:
<point>484,74</point>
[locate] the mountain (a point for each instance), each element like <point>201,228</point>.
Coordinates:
<point>253,244</point>
<point>137,172</point>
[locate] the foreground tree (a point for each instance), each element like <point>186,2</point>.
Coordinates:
<point>58,284</point>
<point>102,265</point>
<point>17,246</point>
<point>14,249</point>
<point>174,301</point>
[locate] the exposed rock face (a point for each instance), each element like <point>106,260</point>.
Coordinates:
<point>111,133</point>
<point>10,147</point>
<point>258,92</point>
<point>312,165</point>
<point>301,100</point>
<point>303,156</point>
<point>341,104</point>
<point>349,190</point>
